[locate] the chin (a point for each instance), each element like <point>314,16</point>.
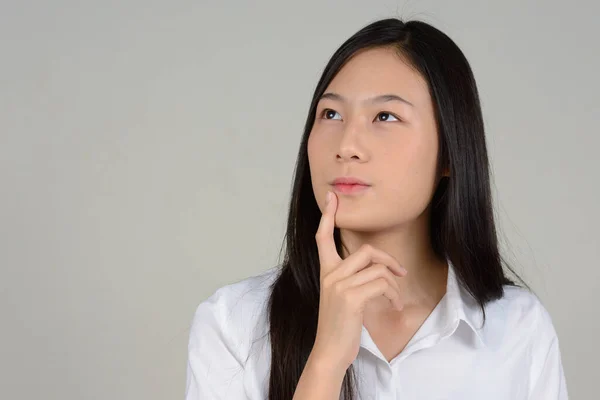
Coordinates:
<point>359,222</point>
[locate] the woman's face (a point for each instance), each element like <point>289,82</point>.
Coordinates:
<point>389,143</point>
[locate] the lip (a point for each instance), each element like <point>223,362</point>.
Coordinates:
<point>349,185</point>
<point>349,189</point>
<point>349,180</point>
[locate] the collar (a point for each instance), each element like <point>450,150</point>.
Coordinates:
<point>460,305</point>
<point>456,305</point>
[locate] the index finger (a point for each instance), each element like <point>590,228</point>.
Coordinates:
<point>328,255</point>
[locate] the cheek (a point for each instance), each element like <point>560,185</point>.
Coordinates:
<point>316,150</point>
<point>315,156</point>
<point>410,174</point>
<point>310,144</point>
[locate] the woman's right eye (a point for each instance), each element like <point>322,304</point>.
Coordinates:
<point>328,113</point>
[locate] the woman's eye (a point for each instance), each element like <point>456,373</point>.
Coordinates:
<point>329,113</point>
<point>386,116</point>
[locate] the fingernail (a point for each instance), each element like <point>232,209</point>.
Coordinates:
<point>328,199</point>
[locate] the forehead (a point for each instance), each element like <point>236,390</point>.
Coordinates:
<point>380,71</point>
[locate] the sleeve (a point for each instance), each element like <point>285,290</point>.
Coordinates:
<point>547,374</point>
<point>214,364</point>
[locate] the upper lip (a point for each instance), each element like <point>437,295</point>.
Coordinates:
<point>349,180</point>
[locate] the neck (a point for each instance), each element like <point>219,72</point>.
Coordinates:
<point>410,244</point>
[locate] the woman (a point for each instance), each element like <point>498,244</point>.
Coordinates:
<point>392,285</point>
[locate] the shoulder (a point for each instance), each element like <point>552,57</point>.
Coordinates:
<point>234,311</point>
<point>519,314</point>
<point>529,338</point>
<point>245,292</point>
<point>224,329</point>
<point>523,307</point>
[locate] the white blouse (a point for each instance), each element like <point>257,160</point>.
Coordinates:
<point>515,356</point>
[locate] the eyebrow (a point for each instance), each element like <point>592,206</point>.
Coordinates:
<point>377,99</point>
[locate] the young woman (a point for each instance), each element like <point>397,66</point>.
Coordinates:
<point>392,285</point>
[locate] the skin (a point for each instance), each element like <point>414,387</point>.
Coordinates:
<point>393,146</point>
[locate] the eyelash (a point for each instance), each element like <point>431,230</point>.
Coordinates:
<point>326,110</point>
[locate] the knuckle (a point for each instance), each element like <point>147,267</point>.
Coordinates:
<point>367,248</point>
<point>382,283</point>
<point>330,280</point>
<point>318,235</point>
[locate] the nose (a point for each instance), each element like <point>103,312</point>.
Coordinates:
<point>351,146</point>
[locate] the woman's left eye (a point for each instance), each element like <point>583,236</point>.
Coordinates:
<point>386,116</point>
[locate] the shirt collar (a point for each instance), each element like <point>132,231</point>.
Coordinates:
<point>455,306</point>
<point>460,305</point>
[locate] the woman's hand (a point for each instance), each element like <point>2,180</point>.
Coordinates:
<point>346,286</point>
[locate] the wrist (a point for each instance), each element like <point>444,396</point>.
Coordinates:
<point>323,366</point>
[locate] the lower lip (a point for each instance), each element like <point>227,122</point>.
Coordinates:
<point>350,189</point>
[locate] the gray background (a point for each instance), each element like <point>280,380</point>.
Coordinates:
<point>147,151</point>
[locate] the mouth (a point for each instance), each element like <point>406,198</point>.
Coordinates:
<point>350,188</point>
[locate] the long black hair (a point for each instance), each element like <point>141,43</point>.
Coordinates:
<point>462,218</point>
